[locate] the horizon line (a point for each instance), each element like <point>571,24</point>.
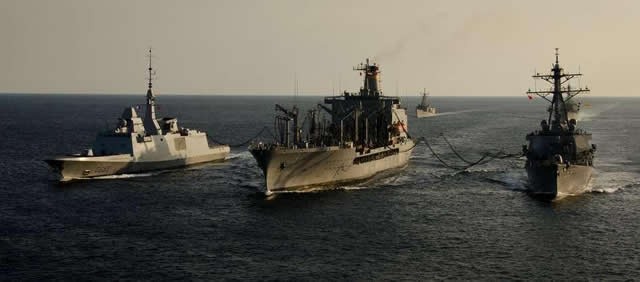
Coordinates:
<point>268,95</point>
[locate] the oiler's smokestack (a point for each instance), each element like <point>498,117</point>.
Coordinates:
<point>371,79</point>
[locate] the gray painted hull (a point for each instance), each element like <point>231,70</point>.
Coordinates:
<point>306,169</point>
<point>422,114</point>
<point>70,168</point>
<point>555,182</point>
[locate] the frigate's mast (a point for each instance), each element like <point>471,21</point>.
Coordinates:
<point>557,78</point>
<point>150,123</point>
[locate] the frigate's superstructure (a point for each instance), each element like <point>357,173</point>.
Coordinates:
<point>367,134</point>
<point>559,156</point>
<point>425,109</point>
<point>138,145</point>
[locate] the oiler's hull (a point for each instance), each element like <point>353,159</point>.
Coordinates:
<point>304,169</point>
<point>557,181</point>
<point>422,113</point>
<point>70,168</point>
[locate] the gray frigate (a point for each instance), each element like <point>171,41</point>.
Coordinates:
<point>366,134</point>
<point>424,109</point>
<point>139,145</point>
<point>559,155</point>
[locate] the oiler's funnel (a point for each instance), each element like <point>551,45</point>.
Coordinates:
<point>371,79</point>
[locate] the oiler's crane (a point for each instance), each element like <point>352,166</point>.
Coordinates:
<point>289,115</point>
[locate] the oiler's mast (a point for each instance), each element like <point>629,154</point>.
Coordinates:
<point>150,123</point>
<point>371,73</point>
<point>558,113</point>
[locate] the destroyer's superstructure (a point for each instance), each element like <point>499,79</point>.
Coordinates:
<point>367,134</point>
<point>139,145</point>
<point>424,109</point>
<point>559,155</point>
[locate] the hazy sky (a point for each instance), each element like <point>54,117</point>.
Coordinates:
<point>255,47</point>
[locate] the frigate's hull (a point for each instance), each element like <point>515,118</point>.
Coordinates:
<point>557,181</point>
<point>305,169</point>
<point>422,114</point>
<point>70,168</point>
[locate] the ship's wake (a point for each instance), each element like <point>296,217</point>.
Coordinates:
<point>612,182</point>
<point>453,113</point>
<point>126,176</point>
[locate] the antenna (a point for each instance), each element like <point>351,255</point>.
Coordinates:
<point>150,69</point>
<point>295,88</point>
<point>397,89</point>
<point>579,78</point>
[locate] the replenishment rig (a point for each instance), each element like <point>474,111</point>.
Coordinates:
<point>365,135</point>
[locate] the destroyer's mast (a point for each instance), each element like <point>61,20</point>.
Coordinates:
<point>150,123</point>
<point>558,114</point>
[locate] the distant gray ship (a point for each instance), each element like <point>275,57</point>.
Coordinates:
<point>425,109</point>
<point>140,145</point>
<point>559,156</point>
<point>367,134</point>
<point>573,109</point>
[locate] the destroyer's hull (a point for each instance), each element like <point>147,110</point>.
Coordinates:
<point>70,168</point>
<point>557,181</point>
<point>422,113</point>
<point>304,169</point>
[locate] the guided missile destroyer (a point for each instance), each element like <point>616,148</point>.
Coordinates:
<point>559,156</point>
<point>425,109</point>
<point>139,145</point>
<point>367,134</point>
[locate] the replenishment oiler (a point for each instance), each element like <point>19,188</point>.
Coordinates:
<point>139,145</point>
<point>559,156</point>
<point>366,134</point>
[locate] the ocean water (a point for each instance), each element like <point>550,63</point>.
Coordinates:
<point>213,222</point>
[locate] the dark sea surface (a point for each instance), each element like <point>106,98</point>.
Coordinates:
<point>213,221</point>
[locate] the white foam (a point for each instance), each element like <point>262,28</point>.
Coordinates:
<point>454,113</point>
<point>242,155</point>
<point>124,176</point>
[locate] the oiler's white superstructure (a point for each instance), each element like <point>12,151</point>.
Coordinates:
<point>140,145</point>
<point>367,134</point>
